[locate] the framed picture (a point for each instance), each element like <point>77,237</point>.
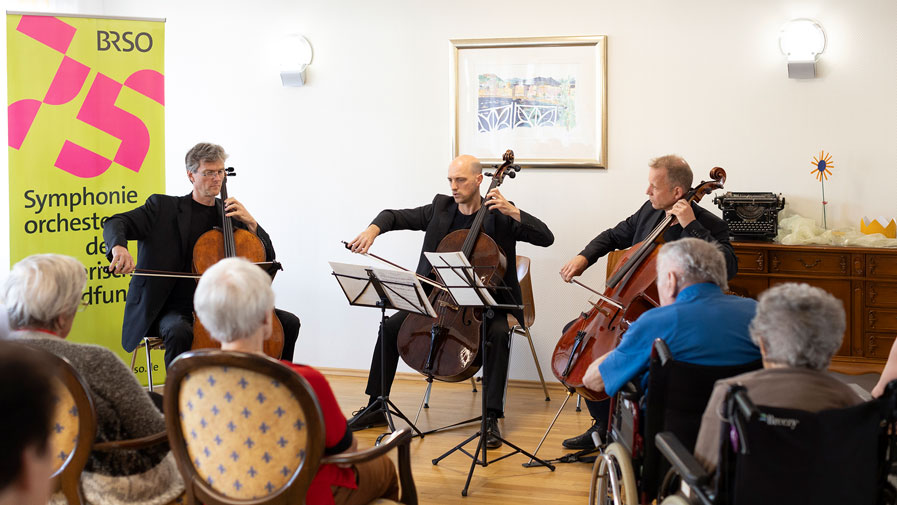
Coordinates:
<point>545,98</point>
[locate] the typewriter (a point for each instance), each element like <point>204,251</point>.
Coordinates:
<point>751,216</point>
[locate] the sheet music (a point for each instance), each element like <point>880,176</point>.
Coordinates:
<point>455,279</point>
<point>402,289</point>
<point>356,283</point>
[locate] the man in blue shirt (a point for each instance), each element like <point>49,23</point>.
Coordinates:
<point>699,323</point>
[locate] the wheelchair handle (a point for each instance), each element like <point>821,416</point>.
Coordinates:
<point>744,404</point>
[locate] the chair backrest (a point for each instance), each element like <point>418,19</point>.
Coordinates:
<point>74,428</point>
<point>792,456</point>
<point>242,427</point>
<point>526,290</point>
<point>678,393</point>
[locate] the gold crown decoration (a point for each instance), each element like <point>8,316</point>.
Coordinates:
<point>870,227</point>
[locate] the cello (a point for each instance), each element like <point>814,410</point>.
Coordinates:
<point>227,242</point>
<point>448,348</point>
<point>629,292</point>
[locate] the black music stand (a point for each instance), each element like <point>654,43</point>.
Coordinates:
<point>465,286</point>
<point>384,289</point>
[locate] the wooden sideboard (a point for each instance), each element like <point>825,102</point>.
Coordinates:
<point>864,279</point>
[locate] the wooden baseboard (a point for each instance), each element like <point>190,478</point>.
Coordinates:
<point>413,376</point>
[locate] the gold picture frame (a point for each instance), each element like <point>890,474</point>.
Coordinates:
<point>543,97</point>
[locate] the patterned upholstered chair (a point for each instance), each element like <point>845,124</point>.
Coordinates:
<point>74,431</point>
<point>246,429</point>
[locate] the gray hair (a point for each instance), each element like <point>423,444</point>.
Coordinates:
<point>678,172</point>
<point>41,288</point>
<point>203,151</point>
<point>799,325</point>
<point>693,261</point>
<point>232,299</point>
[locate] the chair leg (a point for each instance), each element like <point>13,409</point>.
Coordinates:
<point>149,364</point>
<point>425,401</point>
<point>473,385</point>
<point>529,338</point>
<point>579,403</point>
<point>134,358</point>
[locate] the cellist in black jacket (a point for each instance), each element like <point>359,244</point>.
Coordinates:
<point>166,228</point>
<point>506,224</point>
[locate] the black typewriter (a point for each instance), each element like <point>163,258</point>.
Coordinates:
<point>751,216</point>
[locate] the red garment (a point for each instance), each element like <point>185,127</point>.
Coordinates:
<point>334,431</point>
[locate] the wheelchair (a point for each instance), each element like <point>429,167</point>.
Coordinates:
<point>629,470</point>
<point>777,455</point>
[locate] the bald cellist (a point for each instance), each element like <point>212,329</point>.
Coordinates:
<point>506,224</point>
<point>669,179</point>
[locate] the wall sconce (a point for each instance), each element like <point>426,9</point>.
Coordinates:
<point>295,59</point>
<point>802,41</point>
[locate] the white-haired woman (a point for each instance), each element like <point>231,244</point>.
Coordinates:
<point>798,329</point>
<point>42,296</point>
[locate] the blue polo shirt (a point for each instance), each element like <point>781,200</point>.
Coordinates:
<point>703,326</point>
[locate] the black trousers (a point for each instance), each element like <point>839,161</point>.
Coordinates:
<point>495,369</point>
<point>175,328</point>
<point>600,411</point>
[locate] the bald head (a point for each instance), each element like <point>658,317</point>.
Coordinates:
<point>465,173</point>
<point>467,163</point>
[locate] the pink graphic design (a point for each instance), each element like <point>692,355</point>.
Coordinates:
<point>81,162</point>
<point>67,83</point>
<point>21,114</point>
<point>99,110</point>
<point>149,83</point>
<point>48,30</point>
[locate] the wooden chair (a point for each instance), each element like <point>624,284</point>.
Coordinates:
<point>245,428</point>
<point>74,431</point>
<point>149,344</point>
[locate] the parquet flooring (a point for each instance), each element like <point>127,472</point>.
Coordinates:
<point>505,482</point>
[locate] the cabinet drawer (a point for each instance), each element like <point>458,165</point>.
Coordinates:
<point>878,345</point>
<point>881,294</point>
<point>751,260</point>
<point>881,319</point>
<point>810,262</point>
<point>881,265</point>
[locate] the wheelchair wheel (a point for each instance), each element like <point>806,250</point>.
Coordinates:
<point>613,469</point>
<point>675,499</point>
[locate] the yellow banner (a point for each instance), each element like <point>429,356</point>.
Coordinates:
<point>86,112</point>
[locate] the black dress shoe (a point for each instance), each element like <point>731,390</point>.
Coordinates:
<point>363,419</point>
<point>584,441</point>
<point>492,433</point>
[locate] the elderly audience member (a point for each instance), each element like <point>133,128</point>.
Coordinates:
<point>27,401</point>
<point>699,323</point>
<point>42,295</point>
<point>798,328</point>
<point>235,302</point>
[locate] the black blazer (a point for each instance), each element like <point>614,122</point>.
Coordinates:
<point>161,227</point>
<point>435,219</point>
<point>638,226</point>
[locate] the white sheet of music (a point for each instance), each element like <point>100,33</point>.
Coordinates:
<point>401,288</point>
<point>456,281</point>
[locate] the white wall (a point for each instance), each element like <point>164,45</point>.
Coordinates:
<point>370,130</point>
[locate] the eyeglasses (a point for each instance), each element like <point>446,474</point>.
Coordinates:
<point>212,173</point>
<point>82,305</point>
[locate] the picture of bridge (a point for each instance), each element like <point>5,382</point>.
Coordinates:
<point>525,103</point>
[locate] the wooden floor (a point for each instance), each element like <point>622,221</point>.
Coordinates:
<point>505,482</point>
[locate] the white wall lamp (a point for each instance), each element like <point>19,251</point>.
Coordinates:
<point>802,41</point>
<point>295,59</point>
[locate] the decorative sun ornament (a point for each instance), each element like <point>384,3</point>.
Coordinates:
<point>822,164</point>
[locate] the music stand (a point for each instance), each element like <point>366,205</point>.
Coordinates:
<point>467,290</point>
<point>384,289</point>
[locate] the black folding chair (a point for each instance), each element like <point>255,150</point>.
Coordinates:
<point>775,455</point>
